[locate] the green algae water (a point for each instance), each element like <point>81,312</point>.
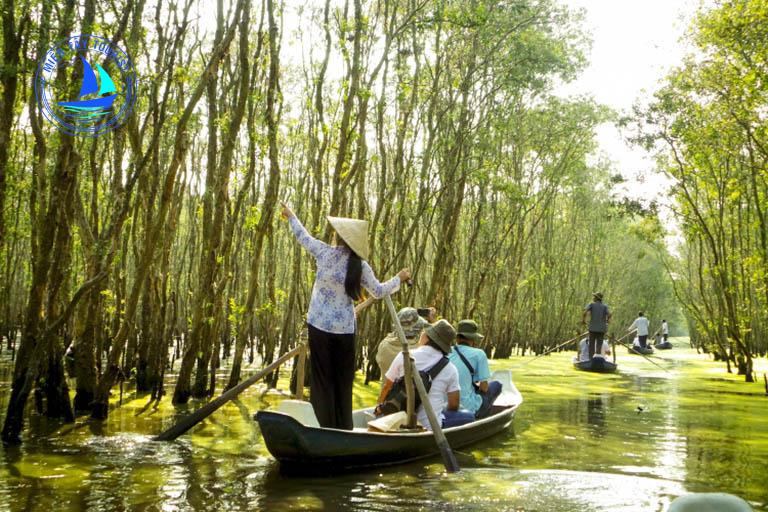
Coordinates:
<point>630,441</point>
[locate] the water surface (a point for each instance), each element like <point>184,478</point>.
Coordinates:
<point>630,441</point>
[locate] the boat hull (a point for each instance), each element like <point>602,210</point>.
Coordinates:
<point>665,345</point>
<point>300,448</point>
<point>597,365</point>
<point>640,350</point>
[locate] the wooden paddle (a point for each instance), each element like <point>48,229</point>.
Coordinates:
<point>367,302</point>
<point>639,353</point>
<point>412,376</point>
<point>554,348</point>
<point>199,415</point>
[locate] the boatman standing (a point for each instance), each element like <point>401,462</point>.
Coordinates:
<point>599,317</point>
<point>342,272</point>
<point>641,326</point>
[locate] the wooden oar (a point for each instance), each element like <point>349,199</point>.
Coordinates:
<point>641,354</point>
<point>619,340</point>
<point>367,302</point>
<point>555,348</point>
<point>633,350</point>
<point>449,460</point>
<point>199,415</point>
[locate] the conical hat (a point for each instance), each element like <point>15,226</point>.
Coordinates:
<point>354,232</point>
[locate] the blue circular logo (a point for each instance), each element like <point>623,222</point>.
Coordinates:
<point>106,85</point>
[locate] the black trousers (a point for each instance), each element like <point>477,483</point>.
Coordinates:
<point>643,340</point>
<point>595,342</point>
<point>332,360</point>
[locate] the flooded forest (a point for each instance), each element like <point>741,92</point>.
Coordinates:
<point>146,270</point>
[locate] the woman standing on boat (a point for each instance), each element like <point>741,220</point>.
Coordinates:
<point>341,271</point>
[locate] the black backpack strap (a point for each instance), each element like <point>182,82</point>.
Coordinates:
<point>469,366</point>
<point>435,370</point>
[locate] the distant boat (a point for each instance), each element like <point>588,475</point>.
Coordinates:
<point>107,92</point>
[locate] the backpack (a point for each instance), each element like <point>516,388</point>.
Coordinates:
<point>397,398</point>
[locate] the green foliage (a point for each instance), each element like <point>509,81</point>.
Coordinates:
<point>709,126</point>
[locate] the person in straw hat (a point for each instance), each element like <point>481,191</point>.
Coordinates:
<point>342,272</point>
<point>444,394</point>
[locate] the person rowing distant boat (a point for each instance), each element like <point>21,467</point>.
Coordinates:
<point>641,326</point>
<point>341,272</point>
<point>599,317</point>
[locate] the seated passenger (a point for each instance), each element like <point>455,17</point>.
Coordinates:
<point>605,350</point>
<point>477,394</point>
<point>390,346</point>
<point>434,344</point>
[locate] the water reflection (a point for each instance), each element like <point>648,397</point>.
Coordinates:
<point>596,405</point>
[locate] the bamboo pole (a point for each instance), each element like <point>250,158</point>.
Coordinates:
<point>639,353</point>
<point>199,415</point>
<point>449,460</point>
<point>409,371</point>
<point>367,302</point>
<point>555,348</point>
<point>627,334</point>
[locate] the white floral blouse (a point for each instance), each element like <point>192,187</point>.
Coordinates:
<point>330,308</point>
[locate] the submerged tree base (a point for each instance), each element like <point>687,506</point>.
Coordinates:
<point>83,401</point>
<point>181,396</point>
<point>99,411</point>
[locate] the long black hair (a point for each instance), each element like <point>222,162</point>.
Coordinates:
<point>435,346</point>
<point>354,273</point>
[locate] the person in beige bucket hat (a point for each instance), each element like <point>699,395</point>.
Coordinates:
<point>342,272</point>
<point>390,346</point>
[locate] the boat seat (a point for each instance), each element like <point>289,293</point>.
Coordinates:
<point>504,377</point>
<point>509,396</point>
<point>299,410</point>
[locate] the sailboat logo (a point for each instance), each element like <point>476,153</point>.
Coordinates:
<point>103,103</point>
<point>106,93</point>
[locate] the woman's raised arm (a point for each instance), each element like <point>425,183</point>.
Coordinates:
<point>377,289</point>
<point>311,244</point>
